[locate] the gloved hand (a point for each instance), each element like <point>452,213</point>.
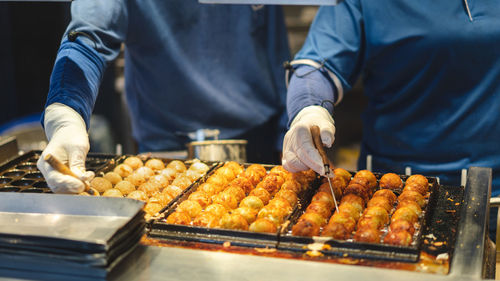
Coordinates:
<point>68,142</point>
<point>299,153</point>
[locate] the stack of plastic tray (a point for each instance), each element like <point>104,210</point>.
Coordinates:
<point>66,237</point>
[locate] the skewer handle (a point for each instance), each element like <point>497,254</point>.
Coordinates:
<point>315,133</point>
<point>63,169</point>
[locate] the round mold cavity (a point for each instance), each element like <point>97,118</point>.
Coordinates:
<point>34,175</point>
<point>10,189</point>
<point>41,184</point>
<point>27,166</point>
<point>22,182</point>
<point>4,180</point>
<point>33,190</point>
<point>13,173</point>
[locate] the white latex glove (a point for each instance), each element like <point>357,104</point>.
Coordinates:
<point>299,153</point>
<point>69,142</point>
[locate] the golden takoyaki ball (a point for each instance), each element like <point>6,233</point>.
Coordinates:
<point>292,185</point>
<point>401,238</point>
<point>248,213</point>
<point>301,179</point>
<point>253,202</point>
<point>306,228</point>
<point>100,184</point>
<point>352,209</point>
<point>258,169</point>
<point>206,219</point>
<point>136,179</point>
<point>226,172</point>
<point>358,190</point>
<point>320,208</point>
<point>113,177</point>
<point>416,187</point>
<point>208,188</point>
<point>412,196</point>
<point>177,165</point>
<point>192,175</point>
<point>218,181</point>
<point>199,168</point>
<point>419,179</point>
<point>162,198</point>
<point>160,180</point>
<point>263,225</point>
<point>325,187</point>
<point>172,190</point>
<point>253,176</point>
<point>144,171</point>
<point>344,219</point>
<point>113,192</point>
<point>336,231</point>
<point>313,217</point>
<point>217,209</point>
<point>274,214</point>
<point>169,173</point>
<point>369,176</point>
<point>410,204</point>
<point>237,168</point>
<point>405,213</point>
<point>279,170</point>
<point>367,234</point>
<point>225,199</point>
<point>354,200</point>
<point>133,162</point>
<point>190,207</point>
<point>125,187</point>
<point>399,225</point>
<point>182,182</point>
<point>149,188</point>
<point>387,194</point>
<point>233,221</point>
<point>378,214</point>
<point>152,208</point>
<point>235,191</point>
<point>280,203</point>
<point>155,164</point>
<point>244,183</point>
<point>325,197</point>
<point>179,218</point>
<point>138,195</point>
<point>201,197</point>
<point>262,194</point>
<point>380,202</point>
<point>343,174</point>
<point>288,195</point>
<point>365,183</point>
<point>390,181</point>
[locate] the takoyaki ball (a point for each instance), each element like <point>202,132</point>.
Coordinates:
<point>306,228</point>
<point>136,179</point>
<point>199,167</point>
<point>208,188</point>
<point>343,174</point>
<point>206,219</point>
<point>178,166</point>
<point>325,187</point>
<point>123,170</point>
<point>190,207</point>
<point>269,185</point>
<point>262,194</point>
<point>235,191</point>
<point>100,184</point>
<point>292,185</point>
<point>244,183</point>
<point>253,176</point>
<point>405,213</point>
<point>309,175</point>
<point>152,208</point>
<point>201,197</point>
<point>288,195</point>
<point>145,171</point>
<point>369,176</point>
<point>162,198</point>
<point>253,202</point>
<point>226,172</point>
<point>192,175</point>
<point>320,208</point>
<point>313,217</point>
<point>351,209</point>
<point>399,225</point>
<point>217,209</point>
<point>361,181</point>
<point>413,196</point>
<point>262,225</point>
<point>133,162</point>
<point>178,218</point>
<point>390,181</point>
<point>169,173</point>
<point>138,195</point>
<point>377,212</point>
<point>302,179</point>
<point>125,187</point>
<point>416,187</point>
<point>258,169</point>
<point>248,213</point>
<point>400,238</point>
<point>358,190</point>
<point>344,219</point>
<point>275,215</point>
<point>380,201</point>
<point>235,166</point>
<point>325,197</point>
<point>233,221</point>
<point>279,170</point>
<point>387,194</point>
<point>280,203</point>
<point>172,190</point>
<point>355,200</point>
<point>225,199</point>
<point>160,180</point>
<point>410,204</point>
<point>149,188</point>
<point>370,235</point>
<point>336,231</point>
<point>155,164</point>
<point>370,222</point>
<point>182,182</point>
<point>218,181</point>
<point>113,177</point>
<point>418,179</point>
<point>113,192</point>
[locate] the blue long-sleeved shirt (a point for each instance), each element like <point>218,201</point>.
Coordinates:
<point>187,65</point>
<point>432,77</point>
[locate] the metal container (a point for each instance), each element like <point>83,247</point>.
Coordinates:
<point>218,150</point>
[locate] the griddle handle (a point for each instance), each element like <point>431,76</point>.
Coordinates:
<point>315,133</point>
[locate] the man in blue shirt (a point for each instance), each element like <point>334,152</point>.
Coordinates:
<point>431,72</point>
<point>188,66</point>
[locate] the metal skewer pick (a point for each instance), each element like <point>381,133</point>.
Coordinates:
<point>315,133</point>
